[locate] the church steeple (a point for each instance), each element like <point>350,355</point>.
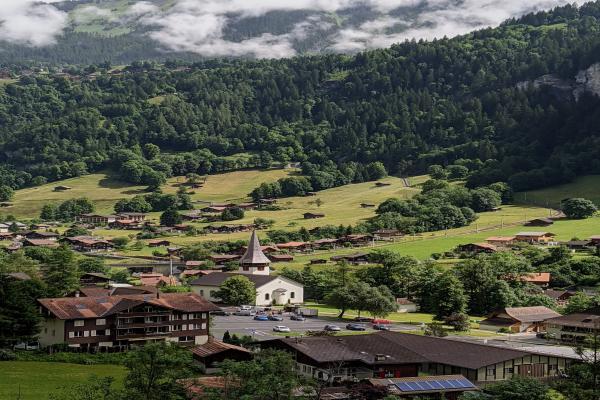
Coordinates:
<point>254,260</point>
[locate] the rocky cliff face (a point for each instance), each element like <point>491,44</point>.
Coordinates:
<point>585,81</point>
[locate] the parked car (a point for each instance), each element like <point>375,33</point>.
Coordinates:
<point>356,327</point>
<point>245,313</point>
<point>274,317</point>
<point>281,328</point>
<point>27,346</point>
<point>332,328</point>
<point>363,319</point>
<point>381,321</point>
<point>296,317</point>
<point>381,327</point>
<point>222,313</point>
<point>246,308</point>
<point>261,317</point>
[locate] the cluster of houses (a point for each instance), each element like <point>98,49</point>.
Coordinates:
<point>498,243</point>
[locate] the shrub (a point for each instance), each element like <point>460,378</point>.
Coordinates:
<point>7,355</point>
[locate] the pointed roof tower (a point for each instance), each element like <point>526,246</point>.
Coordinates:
<point>254,255</point>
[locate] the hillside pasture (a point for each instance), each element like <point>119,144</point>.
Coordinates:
<point>586,186</point>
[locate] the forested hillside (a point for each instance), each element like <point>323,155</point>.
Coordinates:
<point>452,101</point>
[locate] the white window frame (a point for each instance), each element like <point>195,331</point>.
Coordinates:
<point>78,322</point>
<point>101,321</point>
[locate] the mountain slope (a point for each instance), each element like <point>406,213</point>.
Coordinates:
<point>455,101</point>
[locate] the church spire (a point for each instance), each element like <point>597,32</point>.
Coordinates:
<point>254,255</point>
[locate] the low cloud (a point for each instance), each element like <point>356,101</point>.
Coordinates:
<point>204,26</point>
<point>30,22</point>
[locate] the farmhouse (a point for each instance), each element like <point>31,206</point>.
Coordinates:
<point>221,259</point>
<point>518,319</point>
<point>387,233</point>
<point>406,305</point>
<point>501,241</point>
<point>280,257</point>
<point>310,215</point>
<point>125,224</point>
<point>62,188</point>
<point>561,297</point>
<point>577,244</point>
<point>91,323</point>
<point>96,219</point>
<point>356,259</point>
<point>158,243</point>
<point>213,352</point>
<point>39,243</point>
<point>357,239</point>
<point>537,278</point>
<point>294,246</point>
<point>540,222</point>
<point>476,248</point>
<point>42,235</point>
<point>535,237</point>
<point>131,216</point>
<point>157,280</point>
<point>595,240</point>
<point>387,355</point>
<point>255,266</point>
<point>574,328</point>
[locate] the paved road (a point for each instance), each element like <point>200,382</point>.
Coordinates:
<point>263,330</point>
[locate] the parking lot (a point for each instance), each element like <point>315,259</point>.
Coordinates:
<point>263,330</point>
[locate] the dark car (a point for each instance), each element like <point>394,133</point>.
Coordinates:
<point>363,319</point>
<point>356,327</point>
<point>381,327</point>
<point>296,317</point>
<point>275,318</point>
<point>222,313</point>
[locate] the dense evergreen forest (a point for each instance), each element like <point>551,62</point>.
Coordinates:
<point>447,102</point>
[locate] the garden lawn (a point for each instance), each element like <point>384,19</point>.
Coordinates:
<point>36,380</point>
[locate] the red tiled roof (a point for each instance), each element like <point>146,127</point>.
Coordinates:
<point>537,277</point>
<point>94,307</point>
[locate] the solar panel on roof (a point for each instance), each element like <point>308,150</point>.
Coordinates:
<point>434,384</point>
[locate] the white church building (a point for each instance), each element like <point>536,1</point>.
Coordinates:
<point>254,265</point>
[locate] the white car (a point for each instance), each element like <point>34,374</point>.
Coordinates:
<point>281,328</point>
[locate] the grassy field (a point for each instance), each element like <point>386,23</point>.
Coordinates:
<point>36,380</point>
<point>100,188</point>
<point>586,186</point>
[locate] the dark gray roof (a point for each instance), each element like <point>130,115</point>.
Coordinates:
<point>400,348</point>
<point>254,254</point>
<point>216,278</point>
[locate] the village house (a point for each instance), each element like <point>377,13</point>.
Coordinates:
<point>406,306</point>
<point>311,215</point>
<point>574,328</point>
<point>540,222</point>
<point>158,243</point>
<point>96,219</point>
<point>221,259</point>
<point>477,248</point>
<point>254,265</point>
<point>357,239</point>
<point>214,352</point>
<point>387,234</point>
<point>88,244</point>
<point>578,245</point>
<point>535,237</point>
<point>501,241</point>
<point>595,240</point>
<point>355,259</point>
<point>131,216</point>
<point>275,258</point>
<point>537,278</point>
<point>157,280</point>
<point>561,297</point>
<point>93,279</point>
<point>39,243</point>
<point>388,355</point>
<point>294,246</point>
<point>62,188</point>
<point>116,322</point>
<point>128,224</point>
<point>518,319</point>
<point>325,243</point>
<point>42,235</point>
